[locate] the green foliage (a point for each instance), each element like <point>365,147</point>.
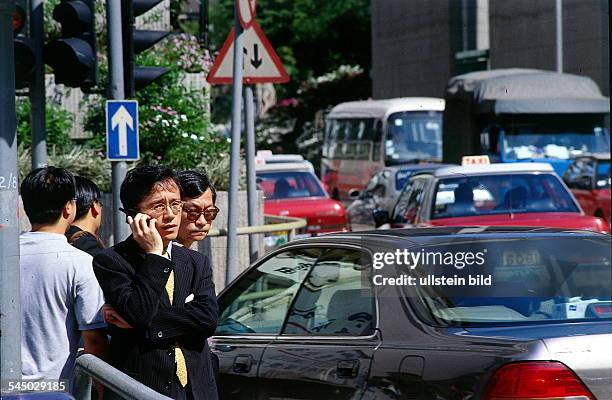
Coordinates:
<point>58,123</point>
<point>311,37</point>
<point>79,160</point>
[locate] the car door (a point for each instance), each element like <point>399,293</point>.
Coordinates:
<point>581,183</point>
<point>252,311</point>
<point>330,334</point>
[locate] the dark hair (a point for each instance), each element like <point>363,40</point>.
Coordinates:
<point>45,192</point>
<point>195,183</point>
<point>140,181</point>
<point>87,193</point>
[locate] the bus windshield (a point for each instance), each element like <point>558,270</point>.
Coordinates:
<point>533,142</point>
<point>413,136</point>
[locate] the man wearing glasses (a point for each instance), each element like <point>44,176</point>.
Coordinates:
<point>164,294</point>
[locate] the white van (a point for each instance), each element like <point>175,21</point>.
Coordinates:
<point>362,137</point>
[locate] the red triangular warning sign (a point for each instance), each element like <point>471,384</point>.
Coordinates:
<point>260,64</point>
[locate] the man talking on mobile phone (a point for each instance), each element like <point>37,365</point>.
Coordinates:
<point>162,295</point>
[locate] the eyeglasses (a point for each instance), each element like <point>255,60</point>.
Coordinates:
<point>210,213</point>
<point>159,209</point>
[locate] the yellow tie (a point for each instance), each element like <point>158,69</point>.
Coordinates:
<point>181,365</point>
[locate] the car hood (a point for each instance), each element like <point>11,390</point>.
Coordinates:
<point>548,219</point>
<point>583,347</point>
<point>304,207</point>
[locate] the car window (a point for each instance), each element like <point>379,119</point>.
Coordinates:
<point>551,279</point>
<point>289,184</point>
<point>500,194</point>
<point>409,202</point>
<point>258,302</point>
<point>336,297</point>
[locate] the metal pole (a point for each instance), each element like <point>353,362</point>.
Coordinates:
<point>204,23</point>
<point>249,116</point>
<point>231,271</point>
<point>37,88</point>
<point>559,25</point>
<point>10,299</point>
<point>116,91</point>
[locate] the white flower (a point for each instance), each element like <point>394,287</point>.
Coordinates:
<point>194,137</point>
<point>184,134</point>
<point>165,122</point>
<point>183,117</point>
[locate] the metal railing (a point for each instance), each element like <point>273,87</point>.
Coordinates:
<point>89,366</point>
<point>290,224</point>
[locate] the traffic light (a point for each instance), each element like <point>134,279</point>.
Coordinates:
<point>73,56</point>
<point>135,41</point>
<point>24,53</point>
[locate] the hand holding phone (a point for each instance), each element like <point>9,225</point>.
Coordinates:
<point>144,231</point>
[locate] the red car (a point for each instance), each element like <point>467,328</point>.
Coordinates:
<point>589,180</point>
<point>292,189</point>
<point>509,194</point>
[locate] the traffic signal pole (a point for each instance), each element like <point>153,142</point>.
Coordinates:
<point>232,237</point>
<point>10,300</point>
<point>117,92</point>
<point>37,87</point>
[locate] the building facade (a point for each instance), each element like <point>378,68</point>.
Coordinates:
<point>417,45</point>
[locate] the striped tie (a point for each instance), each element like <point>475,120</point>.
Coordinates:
<point>181,365</point>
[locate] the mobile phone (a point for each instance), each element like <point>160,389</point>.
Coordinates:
<point>131,213</point>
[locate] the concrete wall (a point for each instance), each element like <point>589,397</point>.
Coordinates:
<point>414,41</point>
<point>522,34</point>
<point>410,47</point>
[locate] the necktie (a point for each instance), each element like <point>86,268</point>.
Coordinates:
<point>181,365</point>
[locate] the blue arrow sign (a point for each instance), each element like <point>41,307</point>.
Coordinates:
<point>122,130</point>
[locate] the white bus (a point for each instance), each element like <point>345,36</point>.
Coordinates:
<point>362,137</point>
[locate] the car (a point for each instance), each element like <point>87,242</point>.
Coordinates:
<point>321,318</point>
<point>381,192</point>
<point>589,180</point>
<point>292,189</point>
<point>504,194</point>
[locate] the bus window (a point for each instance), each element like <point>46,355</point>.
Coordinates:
<point>376,140</point>
<point>413,136</point>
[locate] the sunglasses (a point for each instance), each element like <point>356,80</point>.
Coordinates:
<point>210,213</point>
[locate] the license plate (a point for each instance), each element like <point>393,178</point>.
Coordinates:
<point>530,257</point>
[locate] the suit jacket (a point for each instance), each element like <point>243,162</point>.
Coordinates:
<point>83,240</point>
<point>134,282</point>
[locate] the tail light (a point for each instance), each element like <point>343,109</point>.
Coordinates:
<point>536,380</point>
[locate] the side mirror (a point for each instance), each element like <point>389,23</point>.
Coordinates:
<point>354,194</point>
<point>381,217</point>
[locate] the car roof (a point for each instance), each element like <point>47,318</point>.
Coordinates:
<point>373,238</point>
<point>486,169</point>
<point>382,108</point>
<point>596,156</point>
<point>416,167</point>
<point>285,166</point>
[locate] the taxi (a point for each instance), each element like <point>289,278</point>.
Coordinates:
<point>292,189</point>
<point>381,192</point>
<point>508,194</point>
<point>589,180</point>
<point>320,318</point>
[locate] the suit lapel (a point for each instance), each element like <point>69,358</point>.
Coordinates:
<point>182,274</point>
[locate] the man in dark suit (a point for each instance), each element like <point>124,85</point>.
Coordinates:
<point>163,294</point>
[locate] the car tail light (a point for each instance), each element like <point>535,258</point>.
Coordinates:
<point>536,380</point>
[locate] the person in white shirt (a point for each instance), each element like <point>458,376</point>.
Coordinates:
<point>61,299</point>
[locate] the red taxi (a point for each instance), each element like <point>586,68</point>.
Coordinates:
<point>589,180</point>
<point>508,194</point>
<point>292,189</point>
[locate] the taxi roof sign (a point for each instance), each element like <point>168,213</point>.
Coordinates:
<point>471,160</point>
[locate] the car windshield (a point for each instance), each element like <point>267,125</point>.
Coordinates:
<point>501,194</point>
<point>602,178</point>
<point>536,279</point>
<point>531,142</point>
<point>289,184</point>
<point>413,136</point>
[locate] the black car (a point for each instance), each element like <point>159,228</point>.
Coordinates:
<point>386,315</point>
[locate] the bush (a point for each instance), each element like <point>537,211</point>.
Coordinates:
<point>58,123</point>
